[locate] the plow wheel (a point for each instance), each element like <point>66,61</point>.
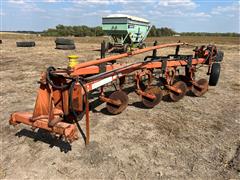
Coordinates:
<point>176,96</point>
<point>200,88</point>
<point>215,73</point>
<point>119,96</point>
<point>150,103</point>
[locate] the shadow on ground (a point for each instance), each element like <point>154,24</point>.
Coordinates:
<point>43,136</point>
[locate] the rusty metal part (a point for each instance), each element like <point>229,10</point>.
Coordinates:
<point>54,121</point>
<point>174,89</point>
<point>170,75</point>
<point>200,87</point>
<point>117,96</point>
<point>146,94</point>
<point>69,131</point>
<point>150,102</point>
<point>141,76</point>
<point>115,102</point>
<point>179,93</point>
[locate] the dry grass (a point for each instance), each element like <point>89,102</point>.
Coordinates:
<point>190,39</point>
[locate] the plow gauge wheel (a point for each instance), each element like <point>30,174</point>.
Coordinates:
<point>202,89</point>
<point>150,103</point>
<point>177,96</point>
<point>118,95</point>
<point>215,73</point>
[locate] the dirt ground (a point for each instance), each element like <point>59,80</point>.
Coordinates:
<point>195,138</point>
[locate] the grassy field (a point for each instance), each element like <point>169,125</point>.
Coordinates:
<point>189,39</point>
<point>195,138</point>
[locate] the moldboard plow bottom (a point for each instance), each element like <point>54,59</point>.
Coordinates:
<point>65,93</point>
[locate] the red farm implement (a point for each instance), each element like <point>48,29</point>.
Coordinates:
<point>63,96</point>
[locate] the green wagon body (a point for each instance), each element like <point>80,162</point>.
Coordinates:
<point>126,29</point>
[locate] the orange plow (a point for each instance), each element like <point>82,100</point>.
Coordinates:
<point>63,96</point>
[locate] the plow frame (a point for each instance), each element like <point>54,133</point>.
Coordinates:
<point>63,94</point>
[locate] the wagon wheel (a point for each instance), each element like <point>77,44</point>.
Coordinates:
<point>179,85</point>
<point>127,48</point>
<point>150,103</point>
<point>109,45</point>
<point>199,91</point>
<point>142,46</point>
<point>118,95</point>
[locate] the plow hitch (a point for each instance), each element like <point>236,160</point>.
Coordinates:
<point>68,131</point>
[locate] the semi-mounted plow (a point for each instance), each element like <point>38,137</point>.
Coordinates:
<point>63,95</point>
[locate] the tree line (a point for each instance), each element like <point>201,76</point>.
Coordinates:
<point>78,31</point>
<point>164,31</point>
<point>81,31</point>
<point>209,34</point>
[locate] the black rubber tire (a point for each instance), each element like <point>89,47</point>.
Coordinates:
<point>64,41</point>
<point>219,56</point>
<point>26,44</point>
<point>109,45</point>
<point>142,46</point>
<point>214,75</point>
<point>65,47</point>
<point>126,48</point>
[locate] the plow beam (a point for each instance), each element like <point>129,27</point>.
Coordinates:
<point>111,58</point>
<point>67,130</point>
<point>141,65</point>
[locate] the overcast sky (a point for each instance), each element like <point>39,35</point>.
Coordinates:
<point>180,15</point>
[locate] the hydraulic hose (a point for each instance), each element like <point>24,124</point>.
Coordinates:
<point>77,117</point>
<point>75,114</point>
<point>50,75</point>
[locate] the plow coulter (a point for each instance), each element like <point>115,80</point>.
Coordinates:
<point>64,94</point>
